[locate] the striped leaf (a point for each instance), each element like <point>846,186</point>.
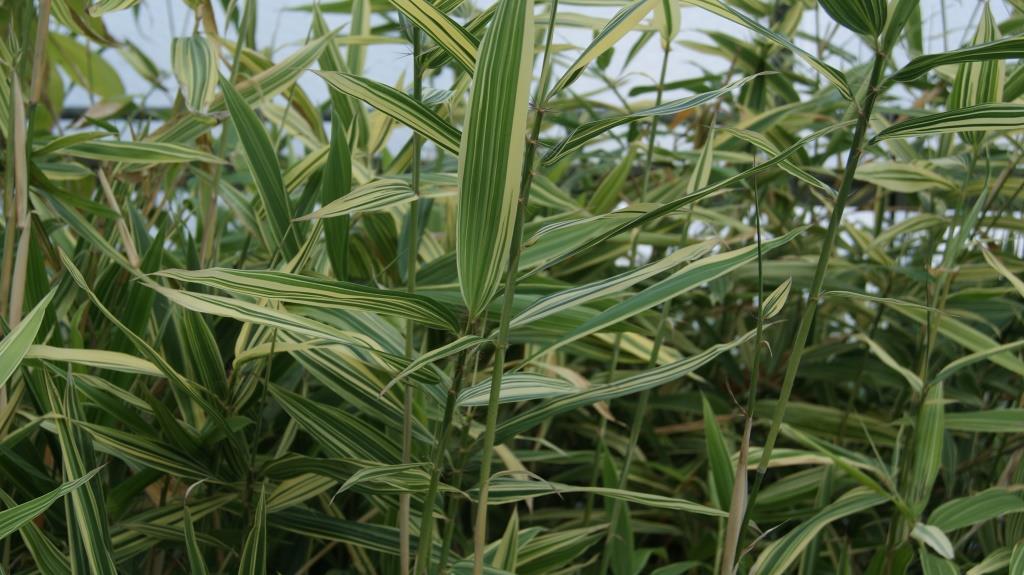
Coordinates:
<point>1010,420</point>
<point>1002,49</point>
<point>516,387</point>
<point>624,21</point>
<point>17,343</point>
<point>648,379</point>
<point>196,563</point>
<point>985,117</point>
<point>779,555</point>
<point>97,358</point>
<point>146,153</point>
<point>934,538</point>
<point>338,432</point>
<point>251,313</point>
<point>101,7</point>
<point>254,553</point>
<point>320,292</point>
<point>13,518</point>
<point>927,448</point>
<point>448,34</point>
<point>964,335</point>
<point>978,82</point>
<point>492,153</point>
<point>375,196</point>
<point>862,16</point>
<point>1016,564</point>
<point>587,132</point>
<point>1000,267</point>
<point>336,184</point>
<point>397,105</point>
<point>970,359</point>
<point>835,77</point>
<point>966,511</point>
<point>912,378</point>
<point>668,20</point>
<point>688,278</point>
<point>147,351</point>
<point>465,342</point>
<point>262,161</point>
<point>932,564</point>
<point>904,177</point>
<point>576,296</point>
<point>505,490</point>
<point>195,66</point>
<point>146,451</point>
<point>90,532</point>
<point>720,465</point>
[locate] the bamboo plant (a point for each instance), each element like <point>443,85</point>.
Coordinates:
<point>595,286</point>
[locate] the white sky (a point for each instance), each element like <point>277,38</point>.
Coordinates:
<point>158,21</point>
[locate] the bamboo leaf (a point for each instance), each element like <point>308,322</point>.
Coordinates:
<point>587,132</point>
<point>254,552</point>
<point>780,554</point>
<point>862,16</point>
<point>317,292</point>
<point>397,105</point>
<point>375,196</point>
<point>194,61</point>
<point>984,117</point>
<point>13,518</point>
<point>625,20</point>
<point>448,34</point>
<point>262,162</point>
<point>17,343</point>
<point>492,153</point>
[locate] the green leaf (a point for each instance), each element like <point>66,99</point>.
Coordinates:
<point>492,153</point>
<point>720,464</point>
<point>97,358</point>
<point>90,532</point>
<point>688,278</point>
<point>320,292</point>
<point>966,511</point>
<point>648,379</point>
<point>262,161</point>
<point>13,518</point>
<point>934,538</point>
<point>576,296</point>
<point>583,134</point>
<point>985,117</point>
<point>625,20</point>
<point>779,555</point>
<point>835,77</point>
<point>1002,49</point>
<point>1010,420</point>
<point>101,7</point>
<point>17,343</point>
<point>146,153</point>
<point>196,563</point>
<point>375,196</point>
<point>254,552</point>
<point>978,82</point>
<point>516,387</point>
<point>397,105</point>
<point>862,16</point>
<point>505,490</point>
<point>194,61</point>
<point>448,34</point>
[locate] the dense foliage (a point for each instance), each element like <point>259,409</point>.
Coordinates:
<point>538,308</point>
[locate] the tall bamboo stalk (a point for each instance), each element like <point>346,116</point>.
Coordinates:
<point>865,107</point>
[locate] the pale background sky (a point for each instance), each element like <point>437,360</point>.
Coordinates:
<point>156,22</point>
